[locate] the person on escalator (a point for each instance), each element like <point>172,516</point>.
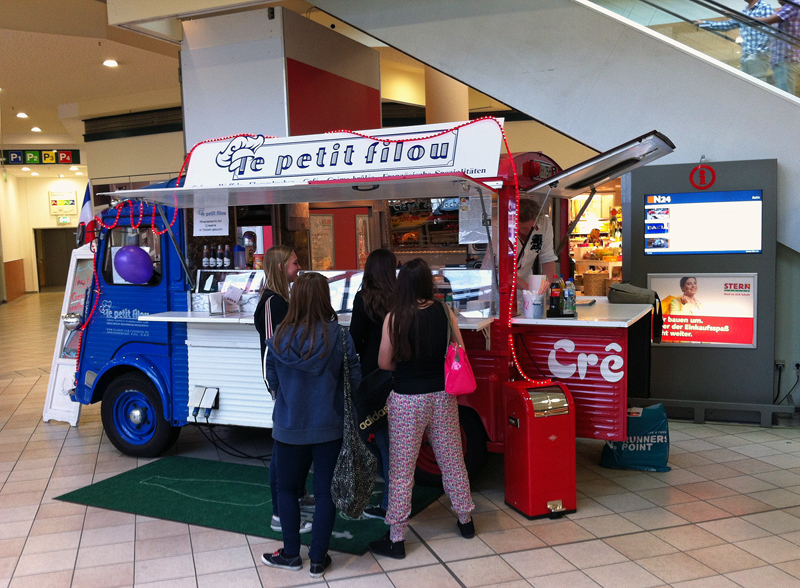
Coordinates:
<point>785,60</point>
<point>755,43</point>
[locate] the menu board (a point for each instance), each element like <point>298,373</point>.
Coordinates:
<point>77,303</point>
<point>323,255</point>
<point>707,309</point>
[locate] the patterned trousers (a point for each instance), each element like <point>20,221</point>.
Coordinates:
<point>410,416</point>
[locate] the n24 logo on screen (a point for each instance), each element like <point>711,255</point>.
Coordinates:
<point>565,365</point>
<point>660,199</point>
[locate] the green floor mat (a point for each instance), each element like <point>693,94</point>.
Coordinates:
<point>226,496</point>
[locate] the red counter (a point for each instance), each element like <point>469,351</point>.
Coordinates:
<point>601,356</point>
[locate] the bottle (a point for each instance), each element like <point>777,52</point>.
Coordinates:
<point>249,241</point>
<point>448,299</point>
<point>220,257</point>
<point>569,295</point>
<point>206,257</point>
<point>239,257</point>
<point>554,303</point>
<point>227,261</point>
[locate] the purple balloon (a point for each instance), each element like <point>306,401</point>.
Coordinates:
<point>133,264</point>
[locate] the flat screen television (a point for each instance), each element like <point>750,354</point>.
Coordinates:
<point>702,222</point>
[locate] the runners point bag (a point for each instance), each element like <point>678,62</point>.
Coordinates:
<point>630,294</point>
<point>354,473</point>
<point>370,401</point>
<point>647,445</point>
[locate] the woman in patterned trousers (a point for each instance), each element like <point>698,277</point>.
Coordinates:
<point>413,345</point>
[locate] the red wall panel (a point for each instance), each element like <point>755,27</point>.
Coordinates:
<point>320,101</point>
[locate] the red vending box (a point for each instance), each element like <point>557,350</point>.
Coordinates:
<point>539,449</point>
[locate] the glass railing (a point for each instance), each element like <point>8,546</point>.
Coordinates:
<point>770,52</point>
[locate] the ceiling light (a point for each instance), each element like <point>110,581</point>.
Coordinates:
<point>78,173</point>
<point>110,63</point>
<point>34,173</point>
<point>60,175</point>
<point>22,115</point>
<point>36,130</point>
<point>26,169</point>
<point>73,168</point>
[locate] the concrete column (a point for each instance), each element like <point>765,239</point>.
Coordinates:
<point>446,99</point>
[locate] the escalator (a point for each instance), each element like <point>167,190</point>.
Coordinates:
<point>600,77</point>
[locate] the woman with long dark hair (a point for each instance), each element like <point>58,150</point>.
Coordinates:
<point>413,345</point>
<point>305,368</point>
<point>370,306</point>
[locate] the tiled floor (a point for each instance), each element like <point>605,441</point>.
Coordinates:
<point>727,515</point>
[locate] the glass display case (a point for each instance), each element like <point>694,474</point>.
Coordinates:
<point>468,292</point>
<point>249,282</point>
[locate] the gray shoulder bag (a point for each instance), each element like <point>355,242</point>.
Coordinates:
<point>354,474</point>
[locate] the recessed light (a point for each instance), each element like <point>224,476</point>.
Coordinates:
<point>36,130</point>
<point>73,168</point>
<point>26,169</point>
<point>110,63</point>
<point>34,173</point>
<point>60,175</point>
<point>78,173</point>
<point>22,115</point>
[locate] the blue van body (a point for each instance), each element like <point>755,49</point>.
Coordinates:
<point>115,344</point>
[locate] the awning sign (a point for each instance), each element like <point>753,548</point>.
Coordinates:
<point>707,309</point>
<point>473,149</point>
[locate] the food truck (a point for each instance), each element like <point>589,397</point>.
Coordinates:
<point>162,346</point>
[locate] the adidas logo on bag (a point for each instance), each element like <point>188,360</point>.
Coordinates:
<point>378,414</point>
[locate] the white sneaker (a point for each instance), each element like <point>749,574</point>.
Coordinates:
<point>275,525</point>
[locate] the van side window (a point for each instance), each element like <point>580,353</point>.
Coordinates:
<point>142,237</point>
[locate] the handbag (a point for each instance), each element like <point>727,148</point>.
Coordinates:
<point>370,399</point>
<point>354,473</point>
<point>630,294</point>
<point>458,376</point>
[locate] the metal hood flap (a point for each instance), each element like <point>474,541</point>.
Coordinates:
<point>606,166</point>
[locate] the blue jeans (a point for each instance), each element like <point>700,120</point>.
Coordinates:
<point>786,73</point>
<point>380,449</point>
<point>292,470</point>
<point>273,483</point>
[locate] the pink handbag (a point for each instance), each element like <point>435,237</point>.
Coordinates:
<point>458,376</point>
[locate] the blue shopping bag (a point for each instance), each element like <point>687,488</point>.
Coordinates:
<point>647,445</point>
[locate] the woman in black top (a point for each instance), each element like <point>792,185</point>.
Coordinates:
<point>370,306</point>
<point>281,268</point>
<point>413,345</point>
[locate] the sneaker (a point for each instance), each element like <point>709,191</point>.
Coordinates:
<point>275,525</point>
<point>385,546</point>
<point>467,529</point>
<point>318,568</point>
<point>280,560</point>
<point>375,512</point>
<point>307,503</point>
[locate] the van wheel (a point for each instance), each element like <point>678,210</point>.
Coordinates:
<point>473,442</point>
<point>133,417</point>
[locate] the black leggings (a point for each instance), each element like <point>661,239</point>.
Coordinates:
<point>292,468</point>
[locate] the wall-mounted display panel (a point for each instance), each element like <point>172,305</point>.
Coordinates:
<point>702,222</point>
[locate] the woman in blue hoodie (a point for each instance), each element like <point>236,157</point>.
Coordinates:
<point>305,367</point>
